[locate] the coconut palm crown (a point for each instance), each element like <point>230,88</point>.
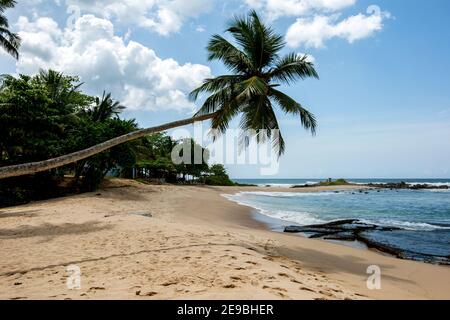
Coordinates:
<point>257,71</point>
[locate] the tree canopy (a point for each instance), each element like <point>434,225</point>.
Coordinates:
<point>47,115</point>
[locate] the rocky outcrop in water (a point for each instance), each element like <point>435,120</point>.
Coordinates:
<point>355,230</point>
<point>348,230</point>
<point>392,186</point>
<point>404,185</point>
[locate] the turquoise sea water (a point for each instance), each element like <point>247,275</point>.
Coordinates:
<point>423,216</point>
<point>292,182</point>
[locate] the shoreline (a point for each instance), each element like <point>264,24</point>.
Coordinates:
<point>135,241</point>
<point>321,230</point>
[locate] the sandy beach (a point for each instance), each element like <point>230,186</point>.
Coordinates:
<point>136,241</point>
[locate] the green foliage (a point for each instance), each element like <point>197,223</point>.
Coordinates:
<point>154,162</point>
<point>8,40</point>
<point>257,70</point>
<point>104,108</point>
<point>154,159</point>
<point>329,182</point>
<point>35,123</point>
<point>94,169</point>
<point>218,170</point>
<point>218,176</point>
<point>46,116</point>
<point>192,167</point>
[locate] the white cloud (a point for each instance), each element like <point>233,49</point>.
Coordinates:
<point>132,72</point>
<point>275,9</point>
<point>317,20</point>
<point>200,29</point>
<point>161,16</point>
<point>313,32</point>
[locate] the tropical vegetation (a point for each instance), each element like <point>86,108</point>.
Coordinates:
<point>45,120</point>
<point>250,91</point>
<point>48,115</point>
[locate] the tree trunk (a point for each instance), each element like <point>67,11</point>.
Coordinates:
<point>34,167</point>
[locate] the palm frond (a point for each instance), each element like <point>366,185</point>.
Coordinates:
<point>8,40</point>
<point>4,22</point>
<point>221,49</point>
<point>216,101</point>
<point>251,87</point>
<point>215,84</point>
<point>6,4</point>
<point>258,41</point>
<point>11,43</point>
<point>293,67</point>
<point>260,117</point>
<point>224,115</point>
<point>291,106</point>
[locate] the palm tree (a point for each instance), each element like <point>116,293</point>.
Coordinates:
<point>105,108</point>
<point>251,91</point>
<point>257,71</point>
<point>8,40</point>
<point>61,89</point>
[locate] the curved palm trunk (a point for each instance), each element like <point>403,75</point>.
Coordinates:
<point>35,167</point>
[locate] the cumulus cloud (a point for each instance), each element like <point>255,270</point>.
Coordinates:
<point>318,20</point>
<point>275,9</point>
<point>161,16</point>
<point>132,72</point>
<point>313,32</point>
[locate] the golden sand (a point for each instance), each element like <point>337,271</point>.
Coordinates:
<point>195,245</point>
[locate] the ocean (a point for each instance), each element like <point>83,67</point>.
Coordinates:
<point>292,182</point>
<point>422,216</point>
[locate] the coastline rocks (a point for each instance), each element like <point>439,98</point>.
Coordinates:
<point>391,186</point>
<point>355,230</point>
<point>350,226</point>
<point>404,185</point>
<point>298,186</point>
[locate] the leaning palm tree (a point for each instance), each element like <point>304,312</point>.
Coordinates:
<point>250,91</point>
<point>8,40</point>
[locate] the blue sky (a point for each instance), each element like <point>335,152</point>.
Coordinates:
<point>382,101</point>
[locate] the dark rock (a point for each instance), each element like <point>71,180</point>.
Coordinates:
<point>335,227</point>
<point>355,230</point>
<point>304,186</point>
<point>404,185</point>
<point>345,230</point>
